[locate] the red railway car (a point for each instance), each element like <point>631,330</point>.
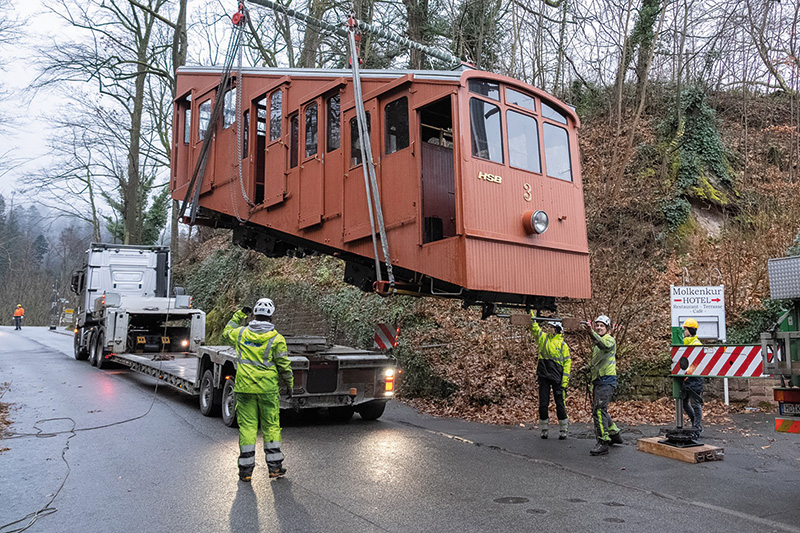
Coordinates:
<point>479,176</point>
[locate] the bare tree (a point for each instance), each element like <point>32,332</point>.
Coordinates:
<point>118,47</point>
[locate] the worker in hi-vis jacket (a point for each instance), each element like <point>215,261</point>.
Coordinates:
<point>552,372</point>
<point>262,365</point>
<point>19,314</point>
<point>692,385</point>
<point>603,368</point>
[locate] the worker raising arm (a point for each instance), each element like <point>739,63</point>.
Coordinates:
<point>604,380</point>
<point>552,372</point>
<point>262,362</point>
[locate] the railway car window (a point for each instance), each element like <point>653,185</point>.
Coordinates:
<point>187,126</point>
<point>229,109</point>
<point>261,117</point>
<point>275,115</point>
<point>203,118</point>
<point>520,99</point>
<point>246,135</point>
<point>489,89</point>
<point>355,144</point>
<point>311,130</point>
<point>523,141</point>
<point>556,152</point>
<point>294,130</point>
<point>396,120</point>
<point>552,114</point>
<point>334,124</point>
<point>486,130</point>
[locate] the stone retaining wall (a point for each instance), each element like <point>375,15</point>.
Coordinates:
<point>747,391</point>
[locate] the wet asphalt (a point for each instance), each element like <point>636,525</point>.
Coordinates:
<point>159,465</point>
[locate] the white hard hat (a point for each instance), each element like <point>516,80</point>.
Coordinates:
<point>603,319</point>
<point>264,306</point>
<point>555,324</point>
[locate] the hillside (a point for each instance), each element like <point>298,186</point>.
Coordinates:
<point>703,201</point>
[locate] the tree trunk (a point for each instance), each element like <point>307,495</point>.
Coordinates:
<point>312,38</point>
<point>417,17</point>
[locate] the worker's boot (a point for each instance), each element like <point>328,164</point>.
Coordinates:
<point>563,425</point>
<point>245,475</point>
<point>543,425</point>
<point>600,449</point>
<point>276,470</point>
<point>616,438</point>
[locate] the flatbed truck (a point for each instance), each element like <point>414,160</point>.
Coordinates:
<point>125,317</point>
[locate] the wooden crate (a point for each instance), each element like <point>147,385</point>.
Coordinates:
<point>694,454</point>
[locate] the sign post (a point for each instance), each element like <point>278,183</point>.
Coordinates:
<point>706,304</point>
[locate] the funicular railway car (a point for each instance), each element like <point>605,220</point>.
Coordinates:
<point>479,176</point>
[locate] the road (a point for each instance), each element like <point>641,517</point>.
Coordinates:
<point>159,465</point>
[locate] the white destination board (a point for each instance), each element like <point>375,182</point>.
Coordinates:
<point>704,304</point>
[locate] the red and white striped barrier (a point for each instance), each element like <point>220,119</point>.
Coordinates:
<point>787,425</point>
<point>718,361</point>
<point>386,337</point>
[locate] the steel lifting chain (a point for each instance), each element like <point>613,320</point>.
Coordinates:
<point>239,18</point>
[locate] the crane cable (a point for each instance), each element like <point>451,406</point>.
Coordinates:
<point>370,180</point>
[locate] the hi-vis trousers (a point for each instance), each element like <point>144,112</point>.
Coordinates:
<point>252,411</point>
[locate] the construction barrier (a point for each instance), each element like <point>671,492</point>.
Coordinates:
<point>386,337</point>
<point>718,361</point>
<point>787,425</point>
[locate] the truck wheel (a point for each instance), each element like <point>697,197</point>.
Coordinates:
<point>100,351</point>
<point>372,410</point>
<point>229,404</point>
<point>81,353</point>
<point>341,414</point>
<point>209,396</point>
<point>92,344</point>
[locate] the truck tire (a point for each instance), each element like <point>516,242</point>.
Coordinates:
<point>372,410</point>
<point>229,404</point>
<point>341,414</point>
<point>92,344</point>
<point>209,396</point>
<point>100,352</point>
<point>80,352</point>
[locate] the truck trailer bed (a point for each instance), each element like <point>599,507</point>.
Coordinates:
<point>179,370</point>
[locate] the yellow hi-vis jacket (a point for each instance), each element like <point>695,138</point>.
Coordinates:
<point>694,381</point>
<point>261,355</point>
<point>555,362</point>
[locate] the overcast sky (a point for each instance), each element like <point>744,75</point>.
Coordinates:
<point>25,139</point>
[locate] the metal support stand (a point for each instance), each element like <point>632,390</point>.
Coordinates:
<point>680,438</point>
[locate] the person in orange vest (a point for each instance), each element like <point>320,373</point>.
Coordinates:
<point>19,313</point>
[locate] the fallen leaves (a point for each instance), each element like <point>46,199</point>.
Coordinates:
<point>525,411</point>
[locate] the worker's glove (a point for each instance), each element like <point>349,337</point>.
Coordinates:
<point>247,310</point>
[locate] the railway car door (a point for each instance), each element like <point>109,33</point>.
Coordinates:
<point>311,172</point>
<point>356,213</point>
<point>399,189</point>
<point>181,142</point>
<point>273,172</point>
<point>438,179</point>
<point>226,169</point>
<point>205,104</point>
<point>333,161</point>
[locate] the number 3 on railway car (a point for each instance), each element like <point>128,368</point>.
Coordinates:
<point>527,194</point>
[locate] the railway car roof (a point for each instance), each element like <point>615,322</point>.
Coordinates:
<point>439,75</point>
